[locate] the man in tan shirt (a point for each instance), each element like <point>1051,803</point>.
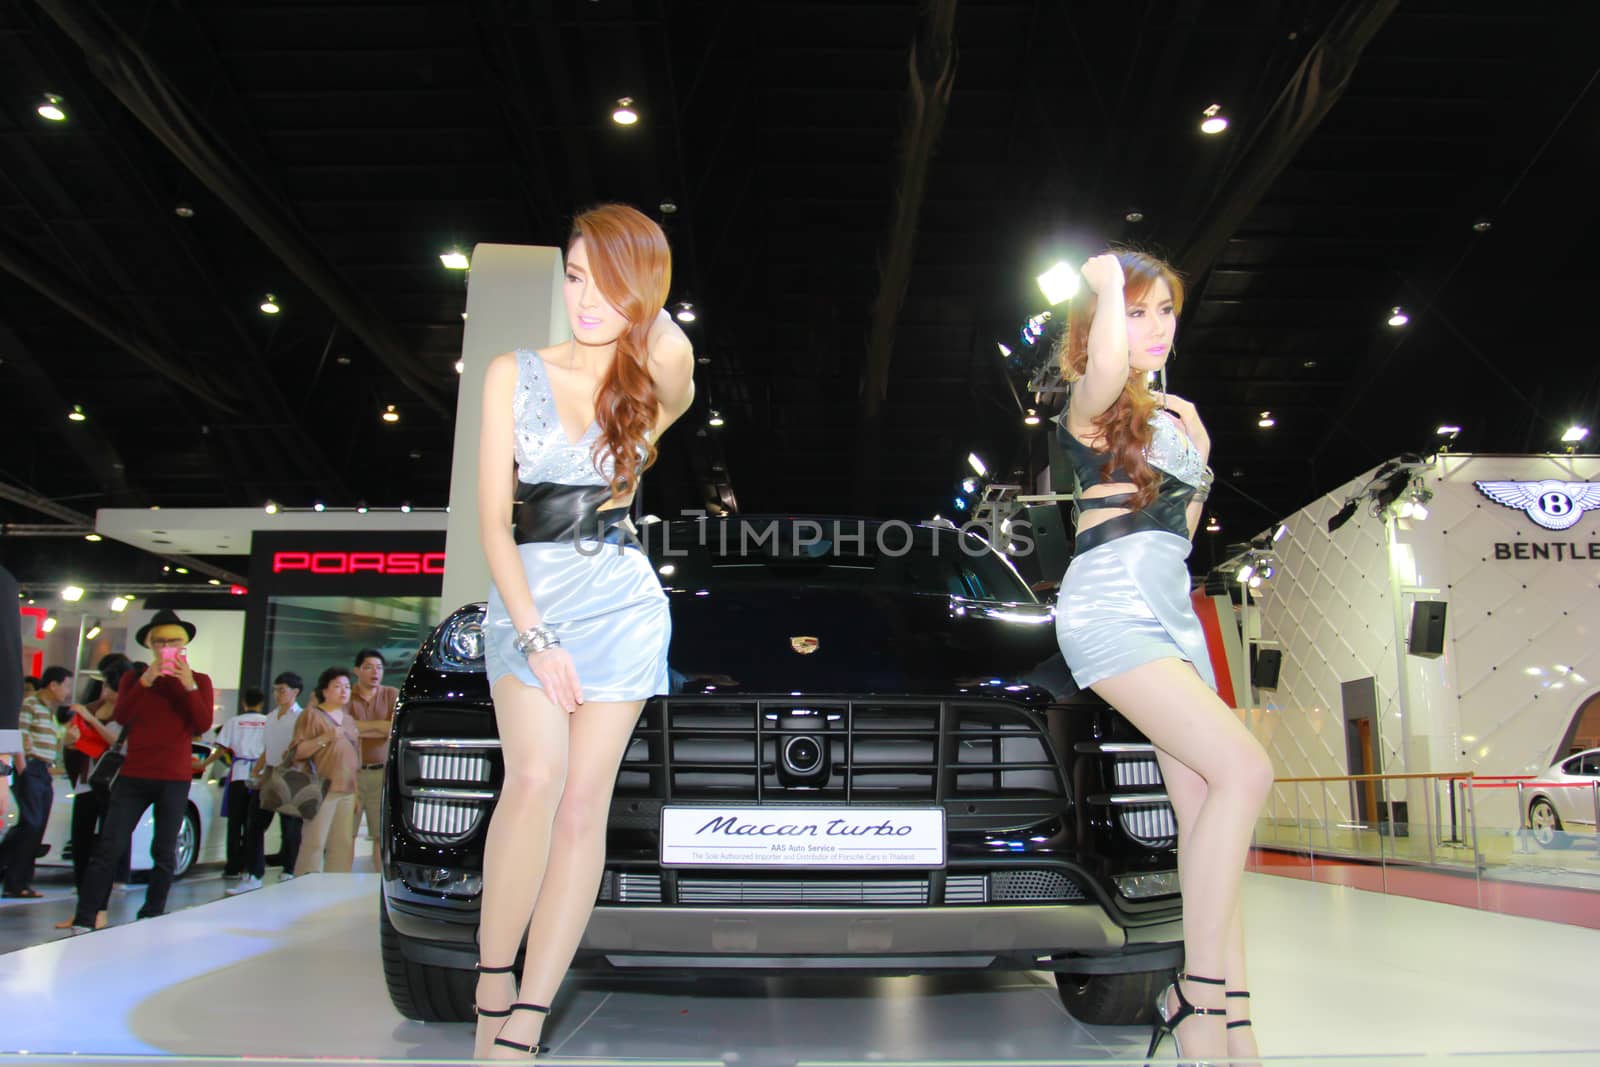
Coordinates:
<point>372,707</point>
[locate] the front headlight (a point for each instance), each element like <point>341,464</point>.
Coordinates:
<point>1154,884</point>
<point>461,643</point>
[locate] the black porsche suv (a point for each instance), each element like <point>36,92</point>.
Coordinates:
<point>872,759</point>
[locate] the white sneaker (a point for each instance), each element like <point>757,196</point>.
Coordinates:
<point>285,876</point>
<point>247,883</point>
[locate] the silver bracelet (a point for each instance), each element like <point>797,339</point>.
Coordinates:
<point>535,639</point>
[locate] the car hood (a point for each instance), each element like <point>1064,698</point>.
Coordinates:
<point>859,641</point>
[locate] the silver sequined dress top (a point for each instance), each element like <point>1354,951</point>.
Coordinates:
<point>603,600</point>
<point>1125,599</point>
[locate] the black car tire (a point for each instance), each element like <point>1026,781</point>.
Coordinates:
<point>419,991</point>
<point>1112,999</point>
<point>1545,825</point>
<point>191,825</point>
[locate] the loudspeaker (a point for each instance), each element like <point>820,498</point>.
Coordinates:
<point>1427,628</point>
<point>1265,665</point>
<point>1052,540</point>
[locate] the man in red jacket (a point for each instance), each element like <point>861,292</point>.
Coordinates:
<point>161,711</point>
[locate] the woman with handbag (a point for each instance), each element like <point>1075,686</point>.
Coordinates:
<point>326,735</point>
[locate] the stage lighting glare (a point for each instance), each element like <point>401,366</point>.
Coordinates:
<point>390,414</point>
<point>1398,318</point>
<point>1213,526</point>
<point>716,418</point>
<point>1281,532</point>
<point>270,305</point>
<point>959,504</point>
<point>969,485</point>
<point>1575,433</point>
<point>92,633</point>
<point>319,506</point>
<point>625,115</point>
<point>977,464</point>
<point>1004,351</point>
<point>213,581</point>
<point>49,625</point>
<point>1255,581</point>
<point>272,507</point>
<point>119,603</point>
<point>1058,284</point>
<point>1031,418</point>
<point>52,108</point>
<point>1246,572</point>
<point>405,509</point>
<point>455,259</point>
<point>1266,421</point>
<point>72,593</point>
<point>1448,431</point>
<point>685,311</point>
<point>77,414</point>
<point>93,537</point>
<point>1213,121</point>
<point>461,366</point>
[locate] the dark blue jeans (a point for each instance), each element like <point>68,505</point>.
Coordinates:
<point>129,799</point>
<point>20,849</point>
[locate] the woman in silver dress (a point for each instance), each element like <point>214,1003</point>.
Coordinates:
<point>577,625</point>
<point>1127,629</point>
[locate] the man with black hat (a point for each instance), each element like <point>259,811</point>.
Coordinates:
<point>161,711</point>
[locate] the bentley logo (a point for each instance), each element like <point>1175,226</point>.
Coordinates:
<point>803,645</point>
<point>1552,504</point>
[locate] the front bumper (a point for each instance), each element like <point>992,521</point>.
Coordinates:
<point>888,940</point>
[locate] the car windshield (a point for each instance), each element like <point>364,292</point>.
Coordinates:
<point>831,554</point>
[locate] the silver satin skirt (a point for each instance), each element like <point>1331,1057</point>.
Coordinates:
<point>607,607</point>
<point>1125,603</point>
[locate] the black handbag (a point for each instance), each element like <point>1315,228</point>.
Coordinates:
<point>103,775</point>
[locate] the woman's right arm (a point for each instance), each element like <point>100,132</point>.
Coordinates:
<point>1106,374</point>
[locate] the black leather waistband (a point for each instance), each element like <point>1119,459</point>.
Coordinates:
<point>1113,528</point>
<point>550,512</point>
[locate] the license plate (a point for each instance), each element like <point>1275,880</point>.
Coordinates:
<point>780,837</point>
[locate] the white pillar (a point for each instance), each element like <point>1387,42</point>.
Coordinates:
<point>513,301</point>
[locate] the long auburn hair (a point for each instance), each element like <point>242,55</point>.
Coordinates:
<point>1124,427</point>
<point>632,265</point>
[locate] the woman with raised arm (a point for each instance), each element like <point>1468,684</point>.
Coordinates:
<point>1127,629</point>
<point>577,625</point>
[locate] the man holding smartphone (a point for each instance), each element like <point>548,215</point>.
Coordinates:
<point>160,712</point>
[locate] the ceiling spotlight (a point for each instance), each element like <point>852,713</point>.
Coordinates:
<point>1058,284</point>
<point>319,506</point>
<point>405,509</point>
<point>181,570</point>
<point>1004,351</point>
<point>269,305</point>
<point>93,632</point>
<point>1214,120</point>
<point>1482,226</point>
<point>685,311</point>
<point>1575,433</point>
<point>669,207</point>
<point>667,570</point>
<point>1213,526</point>
<point>969,485</point>
<point>342,359</point>
<point>1448,431</point>
<point>461,366</point>
<point>1309,364</point>
<point>1255,581</point>
<point>1281,532</point>
<point>184,210</point>
<point>1266,421</point>
<point>49,624</point>
<point>1031,418</point>
<point>959,503</point>
<point>390,414</point>
<point>213,581</point>
<point>1398,318</point>
<point>361,508</point>
<point>976,464</point>
<point>715,419</point>
<point>77,414</point>
<point>272,507</point>
<point>72,593</point>
<point>455,259</point>
<point>624,115</point>
<point>1134,216</point>
<point>1246,572</point>
<point>1033,329</point>
<point>93,537</point>
<point>119,603</point>
<point>52,107</point>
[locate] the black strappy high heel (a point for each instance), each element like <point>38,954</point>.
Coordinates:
<point>1238,1023</point>
<point>1166,1024</point>
<point>531,1050</point>
<point>481,969</point>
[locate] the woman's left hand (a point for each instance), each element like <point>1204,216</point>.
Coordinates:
<point>1189,419</point>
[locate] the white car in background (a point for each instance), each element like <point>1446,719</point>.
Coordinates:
<point>1552,811</point>
<point>201,839</point>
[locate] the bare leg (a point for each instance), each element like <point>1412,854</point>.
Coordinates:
<point>599,735</point>
<point>533,746</point>
<point>1187,791</point>
<point>1186,721</point>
